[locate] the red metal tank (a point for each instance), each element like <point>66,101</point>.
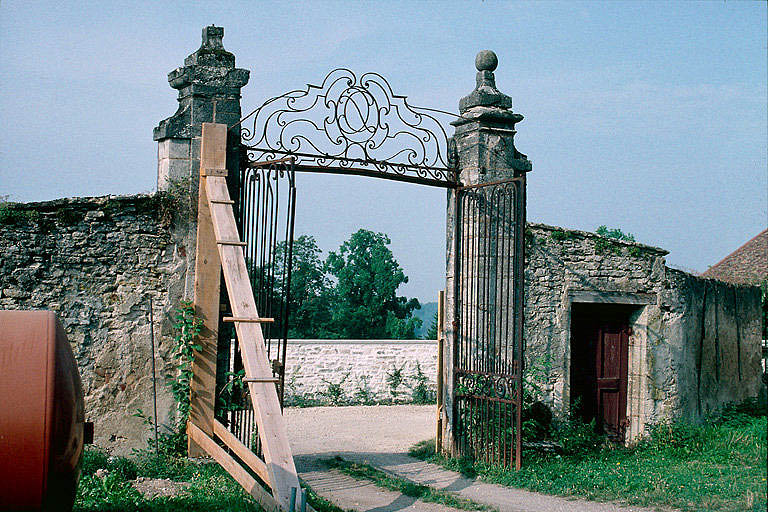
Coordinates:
<point>41,413</point>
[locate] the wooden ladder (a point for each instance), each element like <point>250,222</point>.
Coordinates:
<point>219,248</point>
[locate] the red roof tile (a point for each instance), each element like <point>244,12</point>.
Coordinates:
<point>746,265</point>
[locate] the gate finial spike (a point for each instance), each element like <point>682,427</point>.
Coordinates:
<point>485,94</point>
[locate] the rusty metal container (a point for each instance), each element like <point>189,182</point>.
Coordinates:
<point>41,413</point>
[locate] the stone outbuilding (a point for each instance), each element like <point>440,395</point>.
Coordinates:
<point>613,326</point>
<point>746,265</point>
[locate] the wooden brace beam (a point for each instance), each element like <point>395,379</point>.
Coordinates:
<point>278,458</point>
<point>207,292</point>
<point>231,466</point>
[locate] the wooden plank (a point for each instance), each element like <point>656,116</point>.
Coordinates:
<point>440,347</point>
<point>266,406</point>
<point>231,466</point>
<point>207,290</point>
<point>273,379</point>
<point>214,172</point>
<point>213,152</point>
<point>249,320</point>
<point>246,455</point>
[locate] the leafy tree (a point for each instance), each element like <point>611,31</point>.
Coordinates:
<point>309,300</point>
<point>350,295</point>
<point>364,302</point>
<point>432,331</point>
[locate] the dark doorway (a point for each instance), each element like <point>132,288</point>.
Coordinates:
<point>599,357</point>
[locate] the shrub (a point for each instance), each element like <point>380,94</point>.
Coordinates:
<point>421,393</point>
<point>676,437</point>
<point>363,394</point>
<point>558,235</point>
<point>335,390</point>
<point>394,381</point>
<point>576,436</point>
<point>602,245</point>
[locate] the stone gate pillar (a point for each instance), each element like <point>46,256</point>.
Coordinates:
<point>485,152</point>
<point>209,92</point>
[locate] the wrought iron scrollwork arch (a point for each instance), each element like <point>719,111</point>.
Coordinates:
<point>351,123</point>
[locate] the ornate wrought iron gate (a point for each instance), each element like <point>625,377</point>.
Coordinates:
<point>266,209</point>
<point>490,237</point>
<point>357,125</point>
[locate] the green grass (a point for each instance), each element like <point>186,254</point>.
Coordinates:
<point>211,490</point>
<point>719,466</point>
<point>408,488</point>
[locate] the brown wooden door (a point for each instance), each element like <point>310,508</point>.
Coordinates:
<point>611,354</point>
<point>599,357</point>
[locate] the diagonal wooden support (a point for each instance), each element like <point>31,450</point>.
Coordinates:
<point>278,458</point>
<point>207,296</point>
<point>225,460</point>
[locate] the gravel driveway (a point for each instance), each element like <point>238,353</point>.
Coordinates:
<point>359,429</point>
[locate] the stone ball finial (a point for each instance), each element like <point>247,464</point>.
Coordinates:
<point>486,60</point>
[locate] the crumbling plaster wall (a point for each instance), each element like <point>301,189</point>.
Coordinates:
<point>674,370</point>
<point>96,262</point>
<point>711,332</point>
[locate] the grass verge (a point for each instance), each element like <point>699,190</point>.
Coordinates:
<point>212,488</point>
<point>719,466</point>
<point>406,487</point>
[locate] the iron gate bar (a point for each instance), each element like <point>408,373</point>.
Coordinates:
<point>265,219</point>
<point>489,250</point>
<point>356,171</point>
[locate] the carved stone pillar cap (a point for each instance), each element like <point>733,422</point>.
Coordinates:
<point>211,65</point>
<point>485,94</point>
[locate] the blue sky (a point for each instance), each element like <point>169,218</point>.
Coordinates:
<point>650,117</point>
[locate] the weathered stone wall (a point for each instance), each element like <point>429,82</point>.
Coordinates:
<point>96,262</point>
<point>312,365</point>
<point>710,331</point>
<point>677,366</point>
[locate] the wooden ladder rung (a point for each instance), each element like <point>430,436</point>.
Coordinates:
<point>221,201</point>
<point>249,320</point>
<point>231,242</point>
<point>259,380</point>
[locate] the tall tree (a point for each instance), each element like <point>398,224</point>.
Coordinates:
<point>364,300</point>
<point>309,299</point>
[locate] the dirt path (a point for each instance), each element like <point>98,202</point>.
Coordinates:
<point>381,436</point>
<point>359,429</point>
